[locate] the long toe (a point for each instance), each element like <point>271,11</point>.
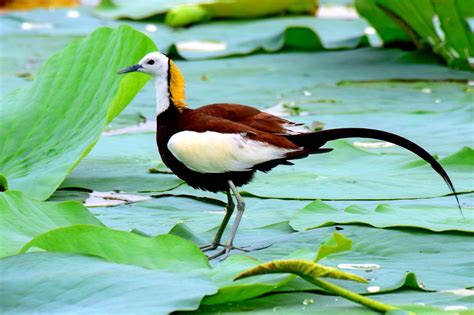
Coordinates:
<point>208,247</point>
<point>223,252</point>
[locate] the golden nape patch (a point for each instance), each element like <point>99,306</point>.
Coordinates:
<point>177,87</point>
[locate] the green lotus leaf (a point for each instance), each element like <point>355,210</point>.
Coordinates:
<point>314,303</point>
<point>185,12</point>
<point>165,252</point>
<point>24,218</point>
<point>434,218</point>
<point>75,284</point>
<point>52,123</point>
<point>439,24</point>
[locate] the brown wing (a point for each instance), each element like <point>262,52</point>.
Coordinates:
<point>226,118</point>
<point>251,117</point>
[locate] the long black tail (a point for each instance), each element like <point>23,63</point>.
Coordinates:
<point>318,139</point>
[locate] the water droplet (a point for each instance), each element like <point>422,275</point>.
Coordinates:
<point>73,14</point>
<point>29,26</point>
<point>437,101</point>
<point>365,267</point>
<point>373,289</point>
<point>276,308</point>
<point>151,28</point>
<point>308,301</point>
<point>307,93</point>
<point>426,90</point>
<point>455,308</point>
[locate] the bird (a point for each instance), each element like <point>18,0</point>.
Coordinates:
<point>219,147</point>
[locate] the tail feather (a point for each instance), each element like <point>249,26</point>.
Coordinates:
<point>318,139</point>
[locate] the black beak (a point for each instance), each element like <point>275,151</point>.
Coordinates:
<point>130,69</point>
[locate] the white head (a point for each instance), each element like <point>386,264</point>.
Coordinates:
<point>155,64</point>
<point>169,81</point>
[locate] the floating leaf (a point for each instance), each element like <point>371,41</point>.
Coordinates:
<point>440,261</point>
<point>231,291</point>
<point>76,284</point>
<point>311,272</point>
<point>55,121</point>
<point>434,218</point>
<point>182,13</point>
<point>165,252</point>
<point>24,218</point>
<point>98,171</point>
<point>313,303</point>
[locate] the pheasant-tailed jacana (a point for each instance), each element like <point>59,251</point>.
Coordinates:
<point>219,147</point>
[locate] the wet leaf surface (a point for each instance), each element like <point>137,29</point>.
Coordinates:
<point>77,284</point>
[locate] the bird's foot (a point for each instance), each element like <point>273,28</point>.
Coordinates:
<point>208,247</point>
<point>226,251</point>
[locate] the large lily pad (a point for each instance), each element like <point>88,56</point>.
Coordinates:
<point>164,252</point>
<point>389,258</point>
<point>352,173</point>
<point>437,219</point>
<point>159,215</point>
<point>53,122</point>
<point>47,31</point>
<point>225,273</point>
<point>24,218</point>
<point>110,167</point>
<point>74,284</point>
<point>311,303</point>
<point>185,12</point>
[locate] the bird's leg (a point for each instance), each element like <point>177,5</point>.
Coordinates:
<point>240,211</point>
<point>217,238</point>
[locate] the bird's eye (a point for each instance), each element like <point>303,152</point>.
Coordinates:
<point>150,62</point>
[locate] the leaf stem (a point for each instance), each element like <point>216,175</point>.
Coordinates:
<point>372,304</point>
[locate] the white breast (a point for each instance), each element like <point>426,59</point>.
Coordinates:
<point>213,152</point>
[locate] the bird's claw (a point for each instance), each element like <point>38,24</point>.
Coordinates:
<point>223,252</point>
<point>208,247</point>
<point>226,251</point>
